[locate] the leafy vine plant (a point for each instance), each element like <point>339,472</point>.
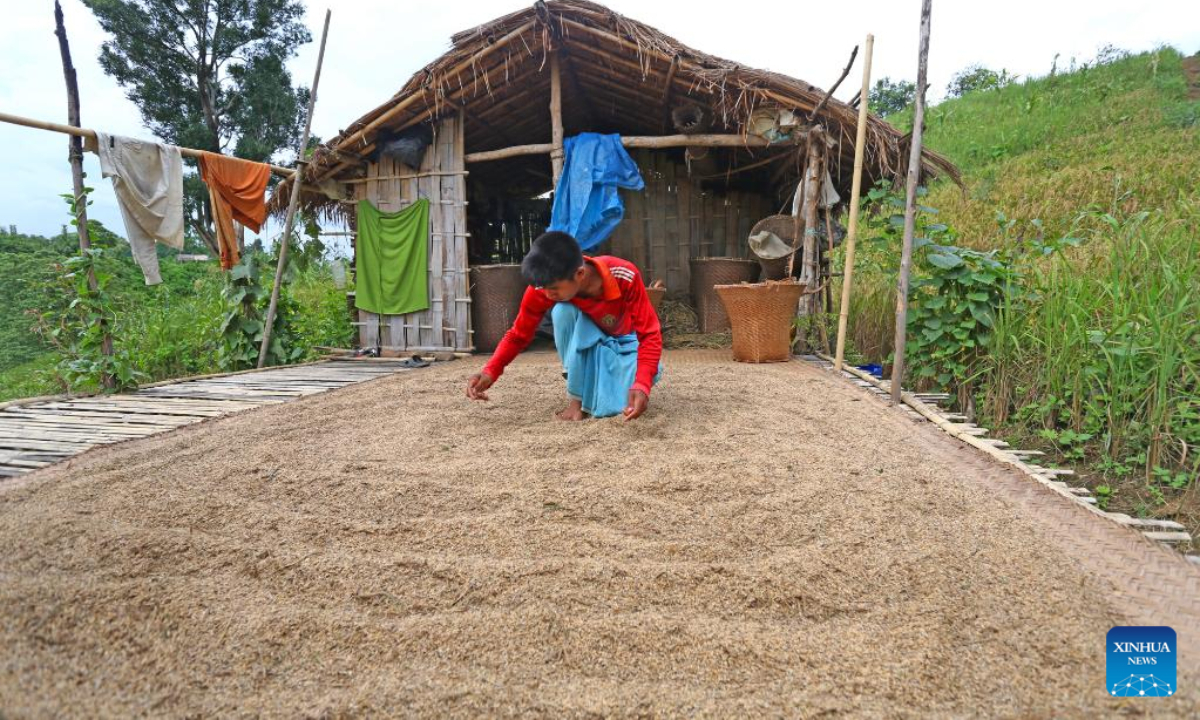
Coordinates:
<point>958,293</point>
<point>76,327</point>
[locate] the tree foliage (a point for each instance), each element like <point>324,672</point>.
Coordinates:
<point>977,77</point>
<point>208,74</point>
<point>889,96</point>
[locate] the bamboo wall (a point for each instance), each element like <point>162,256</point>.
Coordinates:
<point>674,220</point>
<point>446,325</point>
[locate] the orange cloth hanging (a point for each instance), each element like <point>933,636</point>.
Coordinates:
<point>236,188</point>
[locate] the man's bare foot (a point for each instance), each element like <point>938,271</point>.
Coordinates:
<point>574,411</point>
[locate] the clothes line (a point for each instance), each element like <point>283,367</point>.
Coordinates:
<point>91,135</point>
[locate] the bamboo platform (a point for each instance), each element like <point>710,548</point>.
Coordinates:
<point>44,432</point>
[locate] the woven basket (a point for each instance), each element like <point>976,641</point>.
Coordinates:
<point>762,319</point>
<point>784,228</point>
<point>709,272</point>
<point>496,292</point>
<point>656,296</point>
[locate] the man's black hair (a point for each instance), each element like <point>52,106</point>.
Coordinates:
<point>553,256</point>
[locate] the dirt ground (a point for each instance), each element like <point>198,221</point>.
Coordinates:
<point>767,541</point>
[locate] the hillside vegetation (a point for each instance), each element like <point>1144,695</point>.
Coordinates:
<point>1075,246</point>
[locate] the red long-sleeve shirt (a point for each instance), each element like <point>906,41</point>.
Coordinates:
<point>623,307</point>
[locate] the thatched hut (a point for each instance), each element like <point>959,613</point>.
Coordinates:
<point>498,106</point>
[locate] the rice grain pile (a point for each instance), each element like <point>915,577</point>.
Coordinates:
<point>766,542</point>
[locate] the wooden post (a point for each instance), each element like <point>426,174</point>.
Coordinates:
<point>556,153</point>
<point>860,140</point>
<point>810,273</point>
<point>910,207</point>
<point>804,218</point>
<point>297,181</point>
<point>75,154</point>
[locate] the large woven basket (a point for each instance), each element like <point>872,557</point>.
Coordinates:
<point>656,295</point>
<point>496,292</point>
<point>709,272</point>
<point>784,227</point>
<point>761,315</point>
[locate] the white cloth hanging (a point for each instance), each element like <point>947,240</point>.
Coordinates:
<point>829,196</point>
<point>148,180</point>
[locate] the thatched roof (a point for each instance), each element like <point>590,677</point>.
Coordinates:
<point>615,79</point>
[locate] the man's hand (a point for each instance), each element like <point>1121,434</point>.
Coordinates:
<point>478,384</point>
<point>636,405</point>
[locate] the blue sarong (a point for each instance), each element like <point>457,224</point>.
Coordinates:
<point>600,368</point>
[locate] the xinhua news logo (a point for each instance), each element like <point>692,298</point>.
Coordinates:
<point>1141,661</point>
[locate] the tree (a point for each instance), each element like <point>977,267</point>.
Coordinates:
<point>977,77</point>
<point>208,74</point>
<point>889,96</point>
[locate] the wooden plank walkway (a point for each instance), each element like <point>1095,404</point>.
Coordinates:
<point>45,432</point>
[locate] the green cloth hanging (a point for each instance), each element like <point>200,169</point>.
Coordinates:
<point>392,261</point>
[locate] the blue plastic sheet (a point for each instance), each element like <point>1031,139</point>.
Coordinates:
<point>587,204</point>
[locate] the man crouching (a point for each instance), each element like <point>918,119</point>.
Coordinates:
<point>605,330</point>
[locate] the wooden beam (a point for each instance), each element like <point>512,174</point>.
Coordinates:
<point>556,128</point>
<point>541,149</point>
<point>812,186</point>
<point>663,141</point>
<point>910,207</point>
<point>814,177</point>
<point>634,141</point>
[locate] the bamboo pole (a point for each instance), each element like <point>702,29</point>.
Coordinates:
<point>301,162</point>
<point>910,206</point>
<point>860,140</point>
<point>90,134</point>
<point>75,154</point>
<point>556,125</point>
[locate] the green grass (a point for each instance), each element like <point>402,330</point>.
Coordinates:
<point>30,378</point>
<point>1049,147</point>
<point>1102,362</point>
<point>168,330</point>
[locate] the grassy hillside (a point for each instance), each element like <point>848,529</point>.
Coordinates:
<point>1123,132</point>
<point>1095,349</point>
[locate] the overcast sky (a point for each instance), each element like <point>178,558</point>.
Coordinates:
<point>375,45</point>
